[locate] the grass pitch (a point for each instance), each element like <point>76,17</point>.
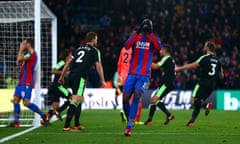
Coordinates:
<point>105,127</point>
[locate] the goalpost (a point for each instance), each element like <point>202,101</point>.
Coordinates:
<point>19,20</point>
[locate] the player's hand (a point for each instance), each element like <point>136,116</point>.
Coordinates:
<point>67,73</point>
<point>192,100</point>
<point>61,80</point>
<point>139,30</point>
<point>119,80</point>
<point>103,84</point>
<point>19,62</point>
<point>150,27</point>
<point>23,45</point>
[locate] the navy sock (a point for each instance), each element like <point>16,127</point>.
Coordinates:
<point>134,108</point>
<point>35,108</point>
<point>152,111</point>
<point>71,111</point>
<point>16,112</point>
<point>126,108</point>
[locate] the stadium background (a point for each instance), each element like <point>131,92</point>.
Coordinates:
<point>186,24</point>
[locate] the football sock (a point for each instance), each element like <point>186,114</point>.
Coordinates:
<point>77,115</point>
<point>196,110</point>
<point>126,108</point>
<point>35,108</point>
<point>134,107</point>
<point>64,106</point>
<point>16,112</point>
<point>152,111</point>
<point>163,108</point>
<point>50,113</point>
<point>116,101</point>
<point>139,111</point>
<point>71,111</point>
<point>129,124</point>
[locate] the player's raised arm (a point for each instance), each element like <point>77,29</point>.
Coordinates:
<point>156,41</point>
<point>193,65</point>
<point>131,40</point>
<point>25,51</point>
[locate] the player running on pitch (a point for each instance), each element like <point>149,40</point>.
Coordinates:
<point>168,65</point>
<point>210,69</point>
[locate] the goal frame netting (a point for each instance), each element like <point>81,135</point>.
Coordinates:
<point>37,13</point>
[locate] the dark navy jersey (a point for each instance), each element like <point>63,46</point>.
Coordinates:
<point>168,65</point>
<point>58,67</point>
<point>83,58</point>
<point>210,67</point>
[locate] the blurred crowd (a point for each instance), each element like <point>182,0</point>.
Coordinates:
<point>185,24</point>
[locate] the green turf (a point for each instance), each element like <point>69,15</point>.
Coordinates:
<point>105,127</point>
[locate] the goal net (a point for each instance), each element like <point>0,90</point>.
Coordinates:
<point>20,20</point>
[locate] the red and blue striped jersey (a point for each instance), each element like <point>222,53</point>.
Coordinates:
<point>28,68</point>
<point>143,48</point>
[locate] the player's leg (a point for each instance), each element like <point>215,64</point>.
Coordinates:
<point>138,116</point>
<point>196,104</point>
<point>140,86</point>
<point>78,86</point>
<point>162,92</point>
<point>16,107</point>
<point>152,110</point>
<point>70,113</point>
<point>207,105</point>
<point>132,113</point>
<point>77,115</point>
<point>118,92</point>
<point>64,93</point>
<point>195,113</point>
<point>78,125</point>
<point>127,93</point>
<point>54,98</point>
<point>26,102</point>
<point>63,106</point>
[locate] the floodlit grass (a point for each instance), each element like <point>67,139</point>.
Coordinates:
<point>105,127</point>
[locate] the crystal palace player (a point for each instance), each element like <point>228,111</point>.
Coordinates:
<point>143,43</point>
<point>27,58</point>
<point>122,73</point>
<point>169,79</point>
<point>210,70</point>
<point>82,59</point>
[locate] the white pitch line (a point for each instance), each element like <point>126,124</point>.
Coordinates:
<point>24,132</point>
<point>139,133</point>
<point>17,134</point>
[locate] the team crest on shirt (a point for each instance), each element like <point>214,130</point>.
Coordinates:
<point>142,45</point>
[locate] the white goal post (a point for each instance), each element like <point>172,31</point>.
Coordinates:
<point>20,20</point>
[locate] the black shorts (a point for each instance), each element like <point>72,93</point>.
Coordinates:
<point>57,91</point>
<point>77,83</point>
<point>163,90</point>
<point>202,92</point>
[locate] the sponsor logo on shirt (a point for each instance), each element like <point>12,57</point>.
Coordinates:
<point>142,45</point>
